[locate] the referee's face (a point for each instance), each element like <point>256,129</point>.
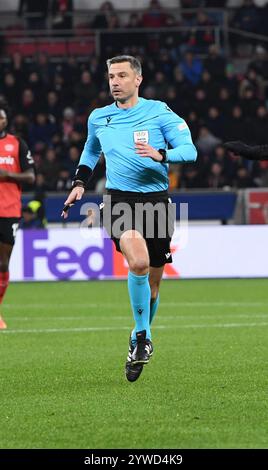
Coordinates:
<point>124,82</point>
<point>3,120</point>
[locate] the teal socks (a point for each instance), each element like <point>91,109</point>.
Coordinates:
<point>140,295</point>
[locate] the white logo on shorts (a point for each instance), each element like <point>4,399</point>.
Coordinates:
<point>141,137</point>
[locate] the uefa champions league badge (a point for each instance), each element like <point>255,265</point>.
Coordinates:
<point>141,137</point>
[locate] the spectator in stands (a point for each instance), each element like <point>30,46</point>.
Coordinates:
<point>174,177</point>
<point>206,141</point>
<point>33,216</point>
<point>247,17</point>
<point>249,102</point>
<point>42,130</point>
<point>160,83</point>
<point>200,102</point>
<point>173,100</point>
<point>43,67</point>
<point>260,62</point>
<point>62,21</point>
<point>243,178</point>
<point>35,12</point>
<point>191,178</point>
<point>236,124</point>
<point>214,63</point>
<point>230,80</point>
<point>64,181</point>
<point>18,68</point>
<point>192,119</point>
<point>191,68</point>
<point>85,91</point>
<point>216,177</point>
<point>154,16</point>
<point>220,156</point>
<point>263,180</point>
<point>101,20</point>
<point>134,21</point>
<point>40,183</point>
<point>102,99</point>
<point>70,69</point>
<point>28,105</point>
<point>216,122</point>
<point>224,101</point>
<point>72,159</point>
<point>214,3</point>
<point>187,16</point>
<point>50,168</point>
<point>52,106</point>
<point>95,68</point>
<point>11,89</point>
<point>35,83</point>
<point>149,92</point>
<point>2,44</point>
<point>113,21</point>
<point>259,125</point>
<point>183,88</point>
<point>68,123</point>
<point>200,39</point>
<point>21,126</point>
<point>255,81</point>
<point>165,64</point>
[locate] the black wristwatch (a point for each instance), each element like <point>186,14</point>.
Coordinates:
<point>164,155</point>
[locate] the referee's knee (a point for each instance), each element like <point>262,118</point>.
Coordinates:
<point>139,266</point>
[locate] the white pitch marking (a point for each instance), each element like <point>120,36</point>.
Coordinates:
<point>160,327</point>
<point>125,317</point>
<point>115,305</point>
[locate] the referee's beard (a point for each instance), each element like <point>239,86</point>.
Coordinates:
<point>122,100</point>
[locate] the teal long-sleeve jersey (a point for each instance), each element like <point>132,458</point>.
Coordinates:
<point>114,131</point>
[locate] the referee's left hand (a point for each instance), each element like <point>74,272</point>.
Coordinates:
<point>145,150</point>
<point>75,195</point>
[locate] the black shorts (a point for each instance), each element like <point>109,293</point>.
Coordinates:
<point>8,229</point>
<point>155,221</point>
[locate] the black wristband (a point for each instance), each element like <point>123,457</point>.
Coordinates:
<point>82,176</point>
<point>163,152</point>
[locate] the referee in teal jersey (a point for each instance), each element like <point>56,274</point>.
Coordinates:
<point>133,133</point>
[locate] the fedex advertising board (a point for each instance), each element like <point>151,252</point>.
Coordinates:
<point>81,254</point>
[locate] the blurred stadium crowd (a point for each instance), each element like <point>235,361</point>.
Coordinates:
<point>50,97</point>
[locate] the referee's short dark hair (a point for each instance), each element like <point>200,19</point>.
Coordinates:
<point>134,62</point>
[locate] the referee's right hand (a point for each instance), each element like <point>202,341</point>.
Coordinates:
<point>75,195</point>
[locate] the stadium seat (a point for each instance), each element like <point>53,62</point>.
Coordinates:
<point>81,47</point>
<point>25,49</point>
<point>82,29</point>
<point>52,48</point>
<point>15,30</point>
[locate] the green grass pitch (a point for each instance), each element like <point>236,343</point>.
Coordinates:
<point>62,367</point>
